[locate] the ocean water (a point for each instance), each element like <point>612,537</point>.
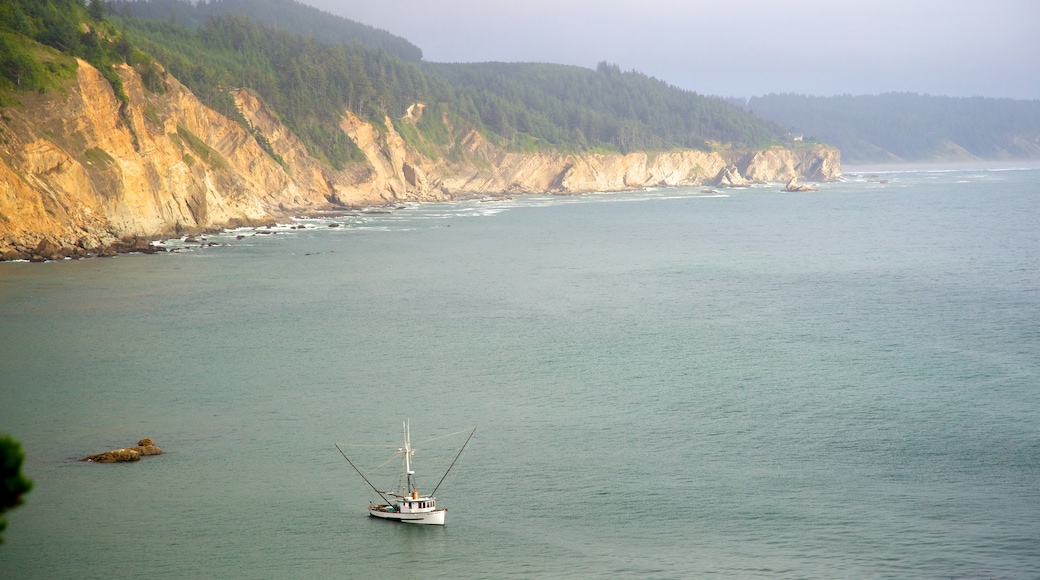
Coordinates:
<point>837,384</point>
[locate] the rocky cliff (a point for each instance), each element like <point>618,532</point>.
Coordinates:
<point>82,173</point>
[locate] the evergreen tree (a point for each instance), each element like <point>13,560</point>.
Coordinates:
<point>96,10</point>
<point>13,485</point>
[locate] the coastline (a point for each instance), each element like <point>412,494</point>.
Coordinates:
<point>88,176</point>
<point>50,251</point>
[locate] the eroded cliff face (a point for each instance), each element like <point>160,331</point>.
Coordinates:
<point>83,174</point>
<point>83,170</point>
<point>780,165</point>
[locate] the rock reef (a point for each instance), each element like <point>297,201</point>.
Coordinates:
<point>144,447</point>
<point>85,175</point>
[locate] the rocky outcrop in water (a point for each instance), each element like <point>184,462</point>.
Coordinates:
<point>114,456</point>
<point>147,447</point>
<point>793,186</point>
<point>144,447</point>
<point>729,177</point>
<point>82,174</point>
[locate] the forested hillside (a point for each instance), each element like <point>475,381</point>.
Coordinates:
<point>309,82</point>
<point>286,15</point>
<point>523,107</point>
<point>898,127</point>
<point>579,108</point>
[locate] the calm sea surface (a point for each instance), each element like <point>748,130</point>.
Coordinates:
<point>840,384</point>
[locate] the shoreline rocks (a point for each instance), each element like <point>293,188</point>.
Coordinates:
<point>144,447</point>
<point>48,249</point>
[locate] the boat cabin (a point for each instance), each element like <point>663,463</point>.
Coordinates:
<point>419,505</point>
<point>413,503</point>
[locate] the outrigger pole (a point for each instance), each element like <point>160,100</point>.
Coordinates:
<point>369,482</point>
<point>452,462</point>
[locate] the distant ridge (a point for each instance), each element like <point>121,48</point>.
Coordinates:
<point>908,127</point>
<point>287,15</point>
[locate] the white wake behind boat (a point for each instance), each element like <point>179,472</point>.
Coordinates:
<point>409,506</point>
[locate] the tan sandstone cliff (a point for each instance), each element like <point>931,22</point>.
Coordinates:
<point>83,174</point>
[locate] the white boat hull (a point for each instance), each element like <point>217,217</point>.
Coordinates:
<point>433,517</point>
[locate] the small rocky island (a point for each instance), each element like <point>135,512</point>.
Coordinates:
<point>793,185</point>
<point>144,447</point>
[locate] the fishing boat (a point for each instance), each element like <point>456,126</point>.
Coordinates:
<point>409,506</point>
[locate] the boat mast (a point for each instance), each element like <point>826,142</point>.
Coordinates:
<point>408,458</point>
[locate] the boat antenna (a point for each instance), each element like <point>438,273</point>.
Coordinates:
<point>453,462</point>
<point>362,475</point>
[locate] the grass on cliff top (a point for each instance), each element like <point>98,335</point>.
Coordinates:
<point>26,66</point>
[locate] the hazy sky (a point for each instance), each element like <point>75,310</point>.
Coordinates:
<point>741,47</point>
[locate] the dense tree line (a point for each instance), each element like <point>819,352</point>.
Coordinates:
<point>287,15</point>
<point>576,107</point>
<point>909,126</point>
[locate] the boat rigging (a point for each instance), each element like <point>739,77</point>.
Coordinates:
<point>409,506</point>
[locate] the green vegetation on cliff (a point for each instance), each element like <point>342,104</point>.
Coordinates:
<point>68,26</point>
<point>308,83</point>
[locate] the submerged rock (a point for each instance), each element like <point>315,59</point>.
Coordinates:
<point>114,456</point>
